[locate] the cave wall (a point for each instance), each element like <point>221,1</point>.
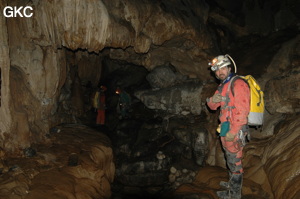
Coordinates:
<point>37,74</point>
<point>39,64</point>
<point>37,70</point>
<point>5,112</point>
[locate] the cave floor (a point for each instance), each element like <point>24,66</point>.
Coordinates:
<point>73,159</point>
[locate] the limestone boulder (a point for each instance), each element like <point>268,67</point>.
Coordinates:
<point>163,77</point>
<point>182,99</point>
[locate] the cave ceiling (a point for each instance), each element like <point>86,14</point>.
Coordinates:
<point>185,34</point>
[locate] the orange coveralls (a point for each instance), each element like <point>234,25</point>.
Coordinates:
<point>237,116</point>
<point>101,111</point>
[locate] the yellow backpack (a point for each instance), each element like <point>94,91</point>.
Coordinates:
<point>257,105</point>
<point>96,100</point>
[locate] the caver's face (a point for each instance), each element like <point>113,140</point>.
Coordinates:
<point>223,73</point>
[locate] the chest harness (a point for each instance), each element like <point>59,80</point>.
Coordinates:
<point>242,133</point>
<point>226,99</point>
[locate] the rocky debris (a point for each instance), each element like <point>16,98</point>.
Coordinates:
<point>140,162</point>
<point>29,152</point>
<point>195,142</point>
<point>148,156</point>
<point>179,177</point>
<point>193,135</point>
<point>200,145</point>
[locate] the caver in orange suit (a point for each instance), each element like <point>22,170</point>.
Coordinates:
<point>235,110</point>
<point>237,117</point>
<point>101,110</point>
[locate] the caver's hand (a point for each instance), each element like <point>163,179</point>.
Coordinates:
<point>217,98</point>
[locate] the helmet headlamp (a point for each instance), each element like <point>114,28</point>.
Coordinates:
<point>219,62</point>
<point>214,61</point>
<point>213,66</point>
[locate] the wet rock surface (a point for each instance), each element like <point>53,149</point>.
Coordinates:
<point>75,162</point>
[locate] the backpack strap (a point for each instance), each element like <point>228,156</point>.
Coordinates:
<point>227,100</point>
<point>236,78</point>
<point>220,88</point>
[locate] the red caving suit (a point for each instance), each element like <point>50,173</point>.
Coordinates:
<point>237,116</point>
<point>101,110</point>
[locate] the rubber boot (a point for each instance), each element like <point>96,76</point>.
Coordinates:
<point>234,187</point>
<point>224,184</point>
<point>224,194</point>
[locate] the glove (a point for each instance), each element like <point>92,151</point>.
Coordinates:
<point>207,100</point>
<point>217,98</point>
<point>229,137</point>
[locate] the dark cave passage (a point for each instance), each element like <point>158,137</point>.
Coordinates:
<point>147,143</point>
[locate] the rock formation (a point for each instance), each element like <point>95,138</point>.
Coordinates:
<point>76,162</point>
<point>51,62</point>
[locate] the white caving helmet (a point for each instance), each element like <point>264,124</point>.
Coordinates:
<point>220,62</point>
